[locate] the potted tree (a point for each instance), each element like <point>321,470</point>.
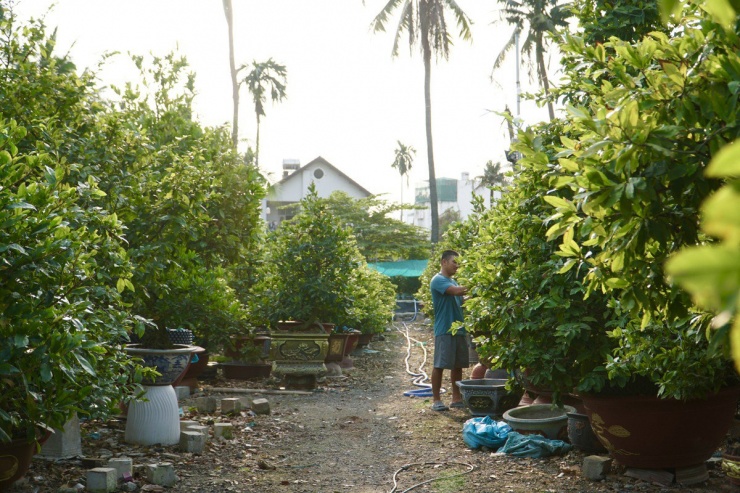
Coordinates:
<point>62,319</point>
<point>305,281</point>
<point>625,182</point>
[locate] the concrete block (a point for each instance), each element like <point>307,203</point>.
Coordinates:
<point>203,430</point>
<point>123,466</point>
<point>595,467</point>
<point>192,441</point>
<point>182,391</point>
<point>206,404</point>
<point>225,430</point>
<point>64,443</point>
<point>101,480</point>
<point>246,402</point>
<point>184,425</point>
<point>230,405</point>
<point>162,474</point>
<point>261,406</point>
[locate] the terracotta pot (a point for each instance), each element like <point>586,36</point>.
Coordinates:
<point>337,344</point>
<point>478,371</point>
<point>239,370</point>
<point>352,339</point>
<point>581,435</point>
<point>652,433</point>
<point>364,340</point>
<point>15,458</point>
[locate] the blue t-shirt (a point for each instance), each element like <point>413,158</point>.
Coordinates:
<point>447,308</point>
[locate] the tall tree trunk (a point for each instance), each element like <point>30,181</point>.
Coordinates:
<point>543,76</point>
<point>427,53</point>
<point>232,66</point>
<point>257,144</point>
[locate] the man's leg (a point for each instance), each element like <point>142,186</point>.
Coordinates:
<point>437,384</point>
<point>456,376</point>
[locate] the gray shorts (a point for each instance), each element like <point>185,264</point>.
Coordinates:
<point>451,351</point>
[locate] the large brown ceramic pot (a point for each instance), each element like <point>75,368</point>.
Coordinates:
<point>15,459</point>
<point>651,433</point>
<point>337,343</point>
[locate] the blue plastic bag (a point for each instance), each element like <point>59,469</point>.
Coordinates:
<point>485,432</point>
<point>534,446</point>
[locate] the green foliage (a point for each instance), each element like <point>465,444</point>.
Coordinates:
<point>61,316</point>
<point>627,186</point>
<point>379,237</point>
<point>373,301</point>
<point>526,306</point>
<point>311,258</point>
<point>628,20</point>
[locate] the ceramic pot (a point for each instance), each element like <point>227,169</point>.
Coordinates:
<point>581,435</point>
<point>171,363</point>
<point>487,397</point>
<point>239,370</point>
<point>478,371</point>
<point>540,419</point>
<point>238,342</point>
<point>298,357</point>
<point>651,433</point>
<point>195,369</point>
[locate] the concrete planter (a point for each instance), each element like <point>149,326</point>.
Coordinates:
<point>298,357</point>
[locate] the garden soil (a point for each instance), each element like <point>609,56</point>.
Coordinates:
<point>353,433</point>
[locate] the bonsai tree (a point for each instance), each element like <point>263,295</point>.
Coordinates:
<point>373,300</point>
<point>628,181</point>
<point>309,266</point>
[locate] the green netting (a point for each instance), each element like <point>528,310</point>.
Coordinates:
<point>402,268</point>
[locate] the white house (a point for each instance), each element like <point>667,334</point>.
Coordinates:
<point>453,194</point>
<point>294,186</point>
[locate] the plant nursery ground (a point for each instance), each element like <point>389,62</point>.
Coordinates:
<point>352,434</point>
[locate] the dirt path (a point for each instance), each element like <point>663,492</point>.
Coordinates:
<point>350,435</point>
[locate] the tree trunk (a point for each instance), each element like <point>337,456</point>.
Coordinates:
<point>257,144</point>
<point>232,66</point>
<point>543,76</point>
<point>427,53</point>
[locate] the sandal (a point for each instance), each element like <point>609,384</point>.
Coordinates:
<point>439,406</point>
<point>457,405</point>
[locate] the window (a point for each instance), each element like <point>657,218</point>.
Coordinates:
<point>318,173</point>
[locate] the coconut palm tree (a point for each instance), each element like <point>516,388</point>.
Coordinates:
<point>402,162</point>
<point>229,12</point>
<point>423,21</point>
<point>535,19</point>
<point>264,75</point>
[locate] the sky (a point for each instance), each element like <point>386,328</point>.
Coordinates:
<point>347,100</point>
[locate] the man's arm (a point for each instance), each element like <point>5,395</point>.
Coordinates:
<point>456,290</point>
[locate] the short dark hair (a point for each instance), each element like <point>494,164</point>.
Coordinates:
<point>448,254</point>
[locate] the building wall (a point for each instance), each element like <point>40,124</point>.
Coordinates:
<point>464,204</point>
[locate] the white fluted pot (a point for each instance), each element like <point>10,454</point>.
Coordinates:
<point>155,420</point>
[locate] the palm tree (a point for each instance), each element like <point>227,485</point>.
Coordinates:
<point>229,12</point>
<point>264,75</point>
<point>536,18</point>
<point>403,161</point>
<point>425,24</point>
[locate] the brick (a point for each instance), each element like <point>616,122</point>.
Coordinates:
<point>122,465</point>
<point>182,391</point>
<point>162,474</point>
<point>203,430</point>
<point>595,467</point>
<point>192,441</point>
<point>230,405</point>
<point>101,480</point>
<point>206,404</point>
<point>184,425</point>
<point>225,430</point>
<point>261,406</point>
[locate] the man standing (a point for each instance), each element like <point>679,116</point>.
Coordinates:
<point>450,351</point>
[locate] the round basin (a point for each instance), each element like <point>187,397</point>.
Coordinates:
<point>540,419</point>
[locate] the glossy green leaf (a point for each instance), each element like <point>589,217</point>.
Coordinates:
<point>726,163</point>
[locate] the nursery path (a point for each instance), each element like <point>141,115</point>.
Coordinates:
<point>350,435</point>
